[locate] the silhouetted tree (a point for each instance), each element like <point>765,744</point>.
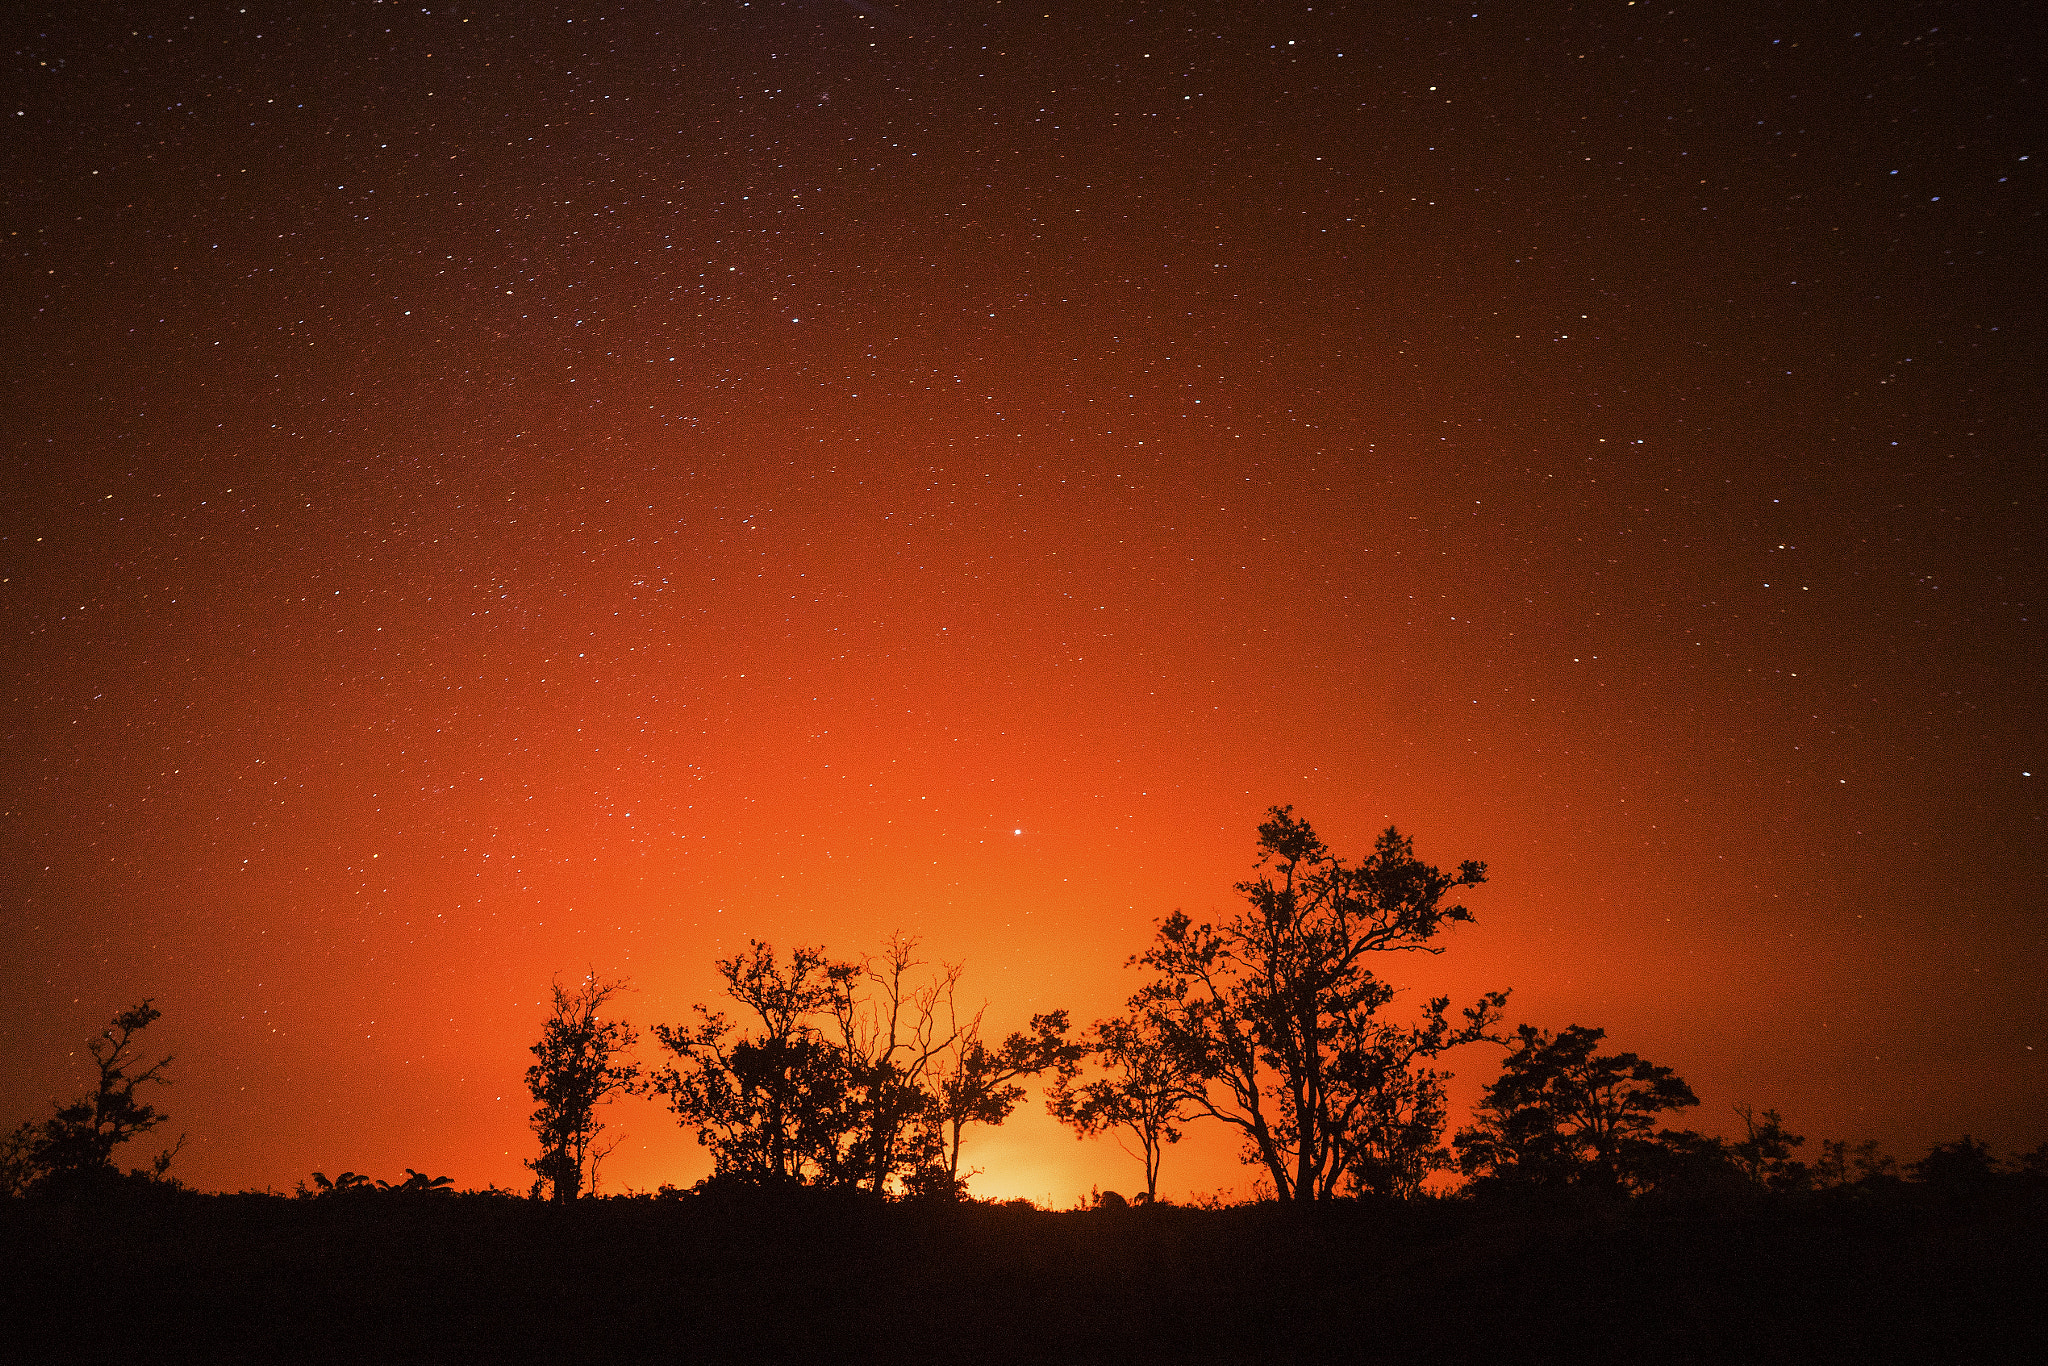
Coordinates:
<point>1764,1152</point>
<point>979,1085</point>
<point>1841,1164</point>
<point>1144,1090</point>
<point>77,1145</point>
<point>848,1079</point>
<point>771,1108</point>
<point>893,1039</point>
<point>1400,1128</point>
<point>2031,1166</point>
<point>577,1069</point>
<point>1563,1114</point>
<point>1276,1012</point>
<point>1962,1167</point>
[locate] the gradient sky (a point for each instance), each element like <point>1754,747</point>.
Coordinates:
<point>503,490</point>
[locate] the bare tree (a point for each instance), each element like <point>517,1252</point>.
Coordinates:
<point>893,1039</point>
<point>578,1069</point>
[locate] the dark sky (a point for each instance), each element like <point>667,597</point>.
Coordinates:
<point>499,490</point>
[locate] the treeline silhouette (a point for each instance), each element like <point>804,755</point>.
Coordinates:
<point>1273,1022</point>
<point>1567,1219</point>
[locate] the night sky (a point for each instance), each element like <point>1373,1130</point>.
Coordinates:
<point>493,491</point>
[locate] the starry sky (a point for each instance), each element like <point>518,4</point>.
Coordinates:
<point>503,490</point>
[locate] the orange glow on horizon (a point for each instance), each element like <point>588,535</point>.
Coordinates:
<point>437,558</point>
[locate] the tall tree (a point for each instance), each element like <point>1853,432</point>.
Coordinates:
<point>1562,1113</point>
<point>1144,1090</point>
<point>1277,1012</point>
<point>578,1067</point>
<point>78,1143</point>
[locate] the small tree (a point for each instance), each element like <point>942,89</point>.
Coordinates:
<point>1144,1090</point>
<point>1563,1114</point>
<point>1396,1143</point>
<point>859,1075</point>
<point>1764,1152</point>
<point>1846,1164</point>
<point>577,1070</point>
<point>78,1143</point>
<point>1962,1166</point>
<point>980,1084</point>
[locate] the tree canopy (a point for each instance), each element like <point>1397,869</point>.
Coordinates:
<point>1143,1090</point>
<point>1563,1114</point>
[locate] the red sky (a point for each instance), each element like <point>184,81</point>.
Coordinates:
<point>498,495</point>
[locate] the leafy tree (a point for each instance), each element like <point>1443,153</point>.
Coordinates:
<point>1764,1153</point>
<point>577,1069</point>
<point>78,1143</point>
<point>1275,1014</point>
<point>1563,1114</point>
<point>1682,1162</point>
<point>344,1184</point>
<point>769,1106</point>
<point>856,1075</point>
<point>1144,1090</point>
<point>980,1084</point>
<point>1400,1129</point>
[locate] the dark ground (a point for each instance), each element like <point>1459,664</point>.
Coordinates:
<point>163,1275</point>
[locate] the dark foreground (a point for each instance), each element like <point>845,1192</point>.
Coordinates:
<point>172,1276</point>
